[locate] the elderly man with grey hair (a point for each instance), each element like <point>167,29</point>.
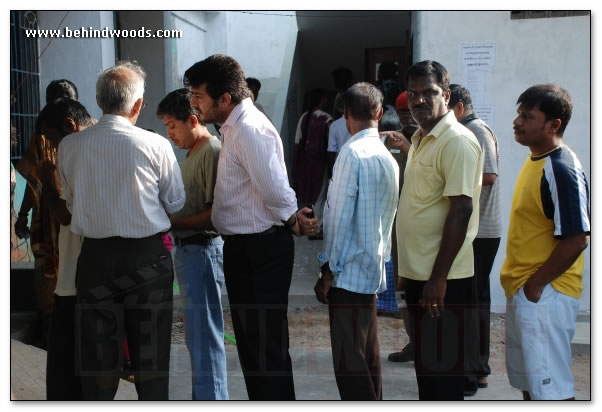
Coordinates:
<point>120,184</point>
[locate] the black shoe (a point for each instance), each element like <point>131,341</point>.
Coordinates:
<point>470,392</point>
<point>470,388</point>
<point>406,355</point>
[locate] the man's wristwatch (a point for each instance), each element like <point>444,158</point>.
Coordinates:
<point>328,275</point>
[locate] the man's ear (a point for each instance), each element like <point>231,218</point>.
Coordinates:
<point>137,106</point>
<point>224,100</point>
<point>458,110</point>
<point>380,114</point>
<point>555,125</point>
<point>447,95</point>
<point>194,121</point>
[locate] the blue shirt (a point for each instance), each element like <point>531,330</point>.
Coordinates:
<point>358,215</point>
<point>337,135</point>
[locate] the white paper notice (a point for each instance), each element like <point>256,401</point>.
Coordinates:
<point>486,112</point>
<point>478,82</point>
<point>480,56</point>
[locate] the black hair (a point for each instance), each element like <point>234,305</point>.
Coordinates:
<point>177,105</point>
<point>390,90</point>
<point>363,101</point>
<point>254,85</point>
<point>313,100</point>
<point>427,68</point>
<point>389,121</point>
<point>61,88</point>
<point>387,71</point>
<point>553,100</point>
<point>460,94</point>
<point>221,74</point>
<point>53,115</point>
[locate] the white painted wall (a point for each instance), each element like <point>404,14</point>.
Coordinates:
<point>188,49</point>
<point>530,51</point>
<point>79,60</point>
<point>150,54</point>
<point>264,45</point>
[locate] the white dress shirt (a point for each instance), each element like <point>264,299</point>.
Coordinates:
<point>252,192</point>
<point>119,180</point>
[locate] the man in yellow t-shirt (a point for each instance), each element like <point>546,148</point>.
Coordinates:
<point>549,229</point>
<point>437,221</point>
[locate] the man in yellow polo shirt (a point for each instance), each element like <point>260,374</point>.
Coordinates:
<point>549,229</point>
<point>437,220</point>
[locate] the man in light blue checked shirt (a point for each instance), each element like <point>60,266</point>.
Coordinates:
<point>358,217</point>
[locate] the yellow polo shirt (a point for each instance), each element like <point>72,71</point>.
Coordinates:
<point>551,201</point>
<point>448,162</point>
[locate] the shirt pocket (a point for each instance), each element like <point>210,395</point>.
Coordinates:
<point>424,182</point>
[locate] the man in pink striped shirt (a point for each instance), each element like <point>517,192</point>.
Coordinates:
<point>255,210</point>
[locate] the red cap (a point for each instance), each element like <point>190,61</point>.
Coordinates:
<point>402,101</point>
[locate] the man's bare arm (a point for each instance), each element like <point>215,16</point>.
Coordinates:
<point>454,234</point>
<point>563,256</point>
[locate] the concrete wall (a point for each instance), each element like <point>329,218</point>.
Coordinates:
<point>150,54</point>
<point>190,48</point>
<point>264,44</point>
<point>530,51</point>
<point>77,59</point>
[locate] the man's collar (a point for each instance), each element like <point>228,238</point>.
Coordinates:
<point>365,132</point>
<point>114,118</point>
<point>237,111</point>
<point>469,118</point>
<point>442,125</point>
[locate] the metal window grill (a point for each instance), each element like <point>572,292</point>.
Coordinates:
<point>24,79</point>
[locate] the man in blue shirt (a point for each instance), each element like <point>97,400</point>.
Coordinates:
<point>358,217</point>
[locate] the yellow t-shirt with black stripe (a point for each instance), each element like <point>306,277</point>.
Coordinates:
<point>551,201</point>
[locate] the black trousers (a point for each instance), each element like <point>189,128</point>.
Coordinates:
<point>355,352</point>
<point>62,381</point>
<point>258,270</point>
<point>124,286</point>
<point>440,343</point>
<point>484,250</point>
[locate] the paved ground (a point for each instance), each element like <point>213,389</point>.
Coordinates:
<point>314,379</point>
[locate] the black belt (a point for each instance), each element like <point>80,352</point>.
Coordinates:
<point>202,240</point>
<point>270,231</point>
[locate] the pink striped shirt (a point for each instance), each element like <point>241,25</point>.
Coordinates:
<point>252,192</point>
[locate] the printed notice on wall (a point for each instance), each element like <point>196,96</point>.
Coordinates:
<point>478,56</point>
<point>477,82</point>
<point>486,112</point>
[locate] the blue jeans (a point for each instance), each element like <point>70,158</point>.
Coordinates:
<point>200,274</point>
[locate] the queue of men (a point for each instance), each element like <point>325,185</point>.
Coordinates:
<point>233,215</point>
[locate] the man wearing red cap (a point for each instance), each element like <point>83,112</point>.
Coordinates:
<point>408,124</point>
